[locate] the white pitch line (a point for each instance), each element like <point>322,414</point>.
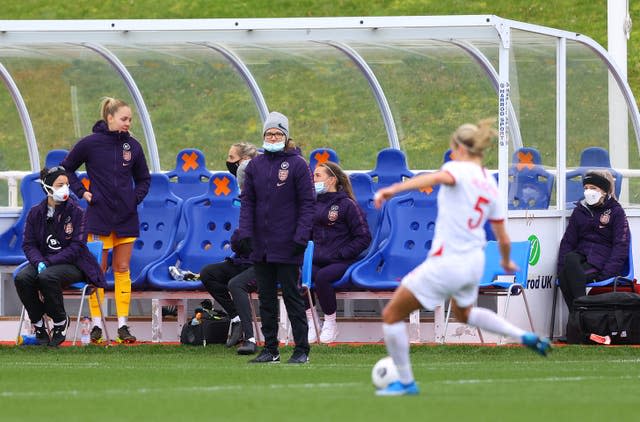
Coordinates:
<point>191,389</point>
<point>528,380</point>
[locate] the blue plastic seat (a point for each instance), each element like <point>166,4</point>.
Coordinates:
<point>159,214</point>
<point>530,185</point>
<point>55,157</point>
<point>590,159</point>
<point>11,240</point>
<point>322,155</point>
<point>190,177</point>
<point>391,167</point>
<point>411,218</point>
<point>496,282</point>
<point>210,220</point>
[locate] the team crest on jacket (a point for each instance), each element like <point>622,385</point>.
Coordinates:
<point>68,228</point>
<point>126,152</point>
<point>333,213</point>
<point>604,218</point>
<point>283,173</point>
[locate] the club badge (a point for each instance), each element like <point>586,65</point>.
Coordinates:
<point>68,228</point>
<point>126,152</point>
<point>283,175</point>
<point>333,213</point>
<point>604,218</point>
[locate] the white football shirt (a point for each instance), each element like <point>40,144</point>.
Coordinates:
<point>464,208</point>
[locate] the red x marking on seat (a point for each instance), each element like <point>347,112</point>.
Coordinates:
<point>525,160</point>
<point>427,190</point>
<point>321,157</point>
<point>222,186</point>
<point>85,182</point>
<point>189,161</point>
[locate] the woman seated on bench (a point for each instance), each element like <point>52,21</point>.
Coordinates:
<point>340,234</point>
<point>55,245</point>
<point>595,245</point>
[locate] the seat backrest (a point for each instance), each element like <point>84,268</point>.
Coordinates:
<point>530,185</point>
<point>595,157</point>
<point>159,214</point>
<point>55,157</point>
<point>492,269</point>
<point>307,265</point>
<point>362,186</point>
<point>95,247</point>
<point>211,219</point>
<point>190,177</point>
<point>322,155</point>
<point>391,167</point>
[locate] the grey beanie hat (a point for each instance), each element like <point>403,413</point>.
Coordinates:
<point>277,121</point>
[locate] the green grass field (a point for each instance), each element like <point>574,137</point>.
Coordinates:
<point>177,383</point>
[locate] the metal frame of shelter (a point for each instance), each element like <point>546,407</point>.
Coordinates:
<point>221,35</point>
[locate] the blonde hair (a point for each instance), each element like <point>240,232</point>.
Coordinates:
<point>343,182</point>
<point>475,138</point>
<point>245,149</point>
<point>607,175</point>
<point>109,106</point>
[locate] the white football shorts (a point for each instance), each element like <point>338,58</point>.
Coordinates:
<point>441,277</point>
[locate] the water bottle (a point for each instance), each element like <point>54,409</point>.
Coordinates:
<point>176,274</point>
<point>85,331</point>
<point>27,337</point>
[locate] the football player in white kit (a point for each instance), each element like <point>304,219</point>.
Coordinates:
<point>468,197</point>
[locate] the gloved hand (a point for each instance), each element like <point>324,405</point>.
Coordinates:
<point>298,249</point>
<point>41,267</point>
<point>244,246</point>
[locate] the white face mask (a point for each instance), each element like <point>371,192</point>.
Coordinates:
<point>275,147</point>
<point>320,187</point>
<point>592,196</point>
<point>59,195</point>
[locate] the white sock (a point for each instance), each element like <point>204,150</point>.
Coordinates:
<point>397,342</point>
<point>252,340</point>
<point>59,323</point>
<point>97,321</point>
<point>488,320</point>
<point>39,323</point>
<point>331,317</point>
<point>122,320</point>
<point>235,319</point>
<point>309,315</point>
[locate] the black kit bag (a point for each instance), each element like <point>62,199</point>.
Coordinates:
<point>211,328</point>
<point>608,318</point>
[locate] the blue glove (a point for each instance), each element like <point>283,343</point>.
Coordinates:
<point>41,267</point>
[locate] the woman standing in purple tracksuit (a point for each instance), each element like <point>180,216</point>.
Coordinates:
<point>55,245</point>
<point>275,226</point>
<point>119,181</point>
<point>595,244</point>
<point>340,235</point>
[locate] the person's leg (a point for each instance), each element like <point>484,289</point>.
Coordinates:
<point>240,287</point>
<point>216,278</point>
<point>94,307</point>
<point>266,277</point>
<point>396,339</point>
<point>486,319</point>
<point>26,283</point>
<point>323,283</point>
<point>288,276</point>
<point>51,281</point>
<point>572,278</point>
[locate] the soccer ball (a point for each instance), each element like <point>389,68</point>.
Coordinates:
<point>384,372</point>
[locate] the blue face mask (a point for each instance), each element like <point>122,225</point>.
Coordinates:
<point>275,147</point>
<point>320,187</point>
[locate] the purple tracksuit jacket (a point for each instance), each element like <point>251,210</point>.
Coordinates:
<point>601,234</point>
<point>340,230</point>
<point>277,206</point>
<point>119,178</point>
<point>69,223</point>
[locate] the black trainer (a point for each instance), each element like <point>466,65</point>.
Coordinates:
<point>96,335</point>
<point>266,357</point>
<point>247,348</point>
<point>42,335</point>
<point>59,333</point>
<point>124,336</point>
<point>235,334</point>
<point>298,357</point>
